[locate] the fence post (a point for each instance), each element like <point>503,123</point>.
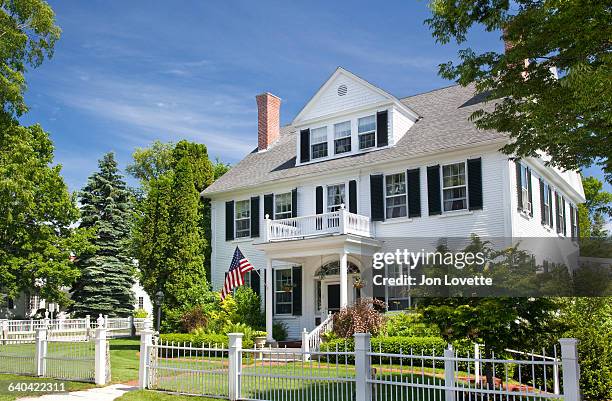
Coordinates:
<point>132,327</point>
<point>41,351</point>
<point>305,346</point>
<point>477,362</point>
<point>449,373</point>
<point>5,330</point>
<point>100,358</point>
<point>146,341</point>
<point>363,389</point>
<point>235,361</point>
<point>571,369</point>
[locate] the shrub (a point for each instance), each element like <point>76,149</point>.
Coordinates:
<point>279,331</point>
<point>194,318</point>
<point>389,345</point>
<point>201,339</point>
<point>361,317</point>
<point>140,314</point>
<point>248,308</point>
<point>409,325</point>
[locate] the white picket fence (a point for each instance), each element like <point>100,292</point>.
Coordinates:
<point>362,374</point>
<point>66,329</point>
<point>62,356</point>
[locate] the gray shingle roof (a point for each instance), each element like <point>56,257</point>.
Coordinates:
<point>444,125</point>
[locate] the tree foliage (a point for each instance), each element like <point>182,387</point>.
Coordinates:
<point>27,36</point>
<point>107,274</point>
<point>37,214</point>
<point>568,118</point>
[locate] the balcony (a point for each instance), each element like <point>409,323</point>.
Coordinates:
<point>332,223</point>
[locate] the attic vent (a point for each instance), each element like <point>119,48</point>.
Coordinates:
<point>342,89</point>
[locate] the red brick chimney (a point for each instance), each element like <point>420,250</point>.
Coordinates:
<point>268,120</point>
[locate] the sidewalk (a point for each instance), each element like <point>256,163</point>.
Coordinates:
<point>108,393</point>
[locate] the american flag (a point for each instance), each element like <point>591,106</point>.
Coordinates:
<point>235,275</point>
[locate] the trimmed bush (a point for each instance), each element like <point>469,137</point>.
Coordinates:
<point>389,345</point>
<point>405,324</point>
<point>279,331</point>
<point>202,339</point>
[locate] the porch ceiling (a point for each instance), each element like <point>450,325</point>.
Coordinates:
<point>295,250</point>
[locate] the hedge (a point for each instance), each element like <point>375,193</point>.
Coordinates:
<point>202,340</point>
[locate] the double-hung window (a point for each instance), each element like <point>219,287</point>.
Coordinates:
<point>574,222</point>
<point>283,291</point>
<point>526,206</point>
<point>395,195</point>
<point>335,197</point>
<point>318,140</point>
<point>140,302</point>
<point>398,296</point>
<point>282,206</point>
<point>242,218</point>
<point>546,205</point>
<point>342,137</point>
<point>454,190</point>
<point>366,130</point>
<point>560,214</point>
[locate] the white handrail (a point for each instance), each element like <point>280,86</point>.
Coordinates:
<point>311,342</point>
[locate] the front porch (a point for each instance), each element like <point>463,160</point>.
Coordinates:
<point>314,274</point>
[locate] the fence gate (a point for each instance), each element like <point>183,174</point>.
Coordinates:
<point>70,360</point>
<point>185,369</point>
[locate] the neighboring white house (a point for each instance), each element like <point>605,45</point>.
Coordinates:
<point>358,167</point>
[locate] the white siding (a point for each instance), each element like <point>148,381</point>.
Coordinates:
<point>399,124</point>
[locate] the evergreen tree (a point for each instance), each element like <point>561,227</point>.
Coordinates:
<point>107,275</point>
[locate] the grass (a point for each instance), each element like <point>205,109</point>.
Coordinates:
<point>124,356</point>
<point>146,395</point>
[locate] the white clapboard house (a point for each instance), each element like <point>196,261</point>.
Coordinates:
<point>358,167</point>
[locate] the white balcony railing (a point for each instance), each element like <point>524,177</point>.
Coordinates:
<point>338,222</point>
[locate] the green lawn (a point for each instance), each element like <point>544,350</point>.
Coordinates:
<point>146,395</point>
<point>124,359</point>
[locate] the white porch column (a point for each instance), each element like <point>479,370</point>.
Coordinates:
<point>269,295</point>
<point>343,279</point>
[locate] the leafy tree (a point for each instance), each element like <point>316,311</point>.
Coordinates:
<point>37,214</point>
<point>590,321</point>
<point>27,35</point>
<point>593,213</point>
<point>107,275</point>
<point>568,118</point>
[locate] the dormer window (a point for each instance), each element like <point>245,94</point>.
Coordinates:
<point>367,132</point>
<point>318,142</point>
<point>342,137</point>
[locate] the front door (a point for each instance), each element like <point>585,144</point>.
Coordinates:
<point>333,297</point>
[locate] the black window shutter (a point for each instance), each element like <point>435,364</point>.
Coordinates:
<point>269,205</point>
<point>377,201</point>
<point>563,216</point>
<point>297,290</point>
<point>382,128</point>
<point>255,283</point>
<point>474,176</point>
<point>572,221</point>
<point>577,223</point>
<point>229,220</point>
<point>529,191</point>
<point>434,202</point>
<point>294,195</point>
<point>304,145</point>
<point>557,212</point>
<point>413,179</point>
<point>319,200</point>
<point>551,220</point>
<point>273,288</point>
<point>352,206</point>
<point>255,217</point>
<point>542,209</point>
<point>519,189</point>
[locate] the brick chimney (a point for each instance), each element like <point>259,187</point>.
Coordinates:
<point>268,120</point>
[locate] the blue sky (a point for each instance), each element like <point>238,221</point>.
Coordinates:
<point>128,72</point>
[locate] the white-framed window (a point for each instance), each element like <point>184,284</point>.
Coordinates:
<point>546,205</point>
<point>318,142</point>
<point>282,206</point>
<point>335,197</point>
<point>242,218</point>
<point>283,291</point>
<point>454,187</point>
<point>398,297</point>
<point>396,195</point>
<point>342,137</point>
<point>248,279</point>
<point>560,217</point>
<point>525,176</point>
<point>140,302</point>
<point>366,131</point>
<point>574,222</point>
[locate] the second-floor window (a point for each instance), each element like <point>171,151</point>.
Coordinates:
<point>546,205</point>
<point>560,214</point>
<point>366,130</point>
<point>242,218</point>
<point>395,195</point>
<point>318,141</point>
<point>335,197</point>
<point>282,206</point>
<point>342,137</point>
<point>526,206</point>
<point>454,187</point>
